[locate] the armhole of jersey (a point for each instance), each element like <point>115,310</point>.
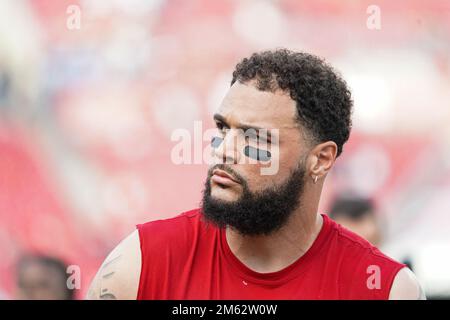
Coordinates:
<point>143,263</point>
<point>392,278</point>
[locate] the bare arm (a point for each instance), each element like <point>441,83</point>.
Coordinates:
<point>118,277</point>
<point>406,287</point>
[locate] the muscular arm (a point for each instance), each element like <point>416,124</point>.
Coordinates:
<point>118,276</point>
<point>406,287</point>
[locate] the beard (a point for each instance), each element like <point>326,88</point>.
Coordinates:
<point>254,213</point>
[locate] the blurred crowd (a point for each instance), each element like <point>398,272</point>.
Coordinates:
<point>87,109</point>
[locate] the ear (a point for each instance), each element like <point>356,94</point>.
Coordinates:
<point>321,159</point>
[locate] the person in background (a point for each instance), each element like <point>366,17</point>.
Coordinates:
<point>41,277</point>
<point>359,215</point>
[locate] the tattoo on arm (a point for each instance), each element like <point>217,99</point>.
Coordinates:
<point>105,295</point>
<point>106,273</point>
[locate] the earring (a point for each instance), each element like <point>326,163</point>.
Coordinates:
<point>315,179</point>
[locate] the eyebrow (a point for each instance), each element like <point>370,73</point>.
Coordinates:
<point>244,127</point>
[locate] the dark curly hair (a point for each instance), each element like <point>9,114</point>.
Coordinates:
<point>324,102</point>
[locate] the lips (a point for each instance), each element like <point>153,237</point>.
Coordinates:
<point>223,178</point>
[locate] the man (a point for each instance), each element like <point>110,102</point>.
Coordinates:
<point>41,277</point>
<point>259,236</point>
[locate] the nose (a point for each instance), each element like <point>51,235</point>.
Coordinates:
<point>225,151</point>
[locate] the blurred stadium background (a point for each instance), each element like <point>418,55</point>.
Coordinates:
<point>86,116</point>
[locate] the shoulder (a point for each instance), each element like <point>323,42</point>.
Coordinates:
<point>406,287</point>
<point>181,219</point>
<point>369,271</point>
<point>167,247</point>
<point>118,276</point>
<point>355,246</point>
<point>173,237</point>
<point>178,227</point>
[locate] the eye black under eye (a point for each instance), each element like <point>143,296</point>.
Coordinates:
<point>216,141</point>
<point>258,154</point>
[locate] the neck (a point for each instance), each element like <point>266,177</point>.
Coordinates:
<point>271,253</point>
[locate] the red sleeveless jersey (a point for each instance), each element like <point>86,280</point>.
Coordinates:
<point>186,258</point>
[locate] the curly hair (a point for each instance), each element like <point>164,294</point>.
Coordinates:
<point>323,100</point>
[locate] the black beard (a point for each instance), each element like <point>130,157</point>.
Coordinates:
<point>260,213</point>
